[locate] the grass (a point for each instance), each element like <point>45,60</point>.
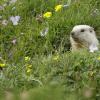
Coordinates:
<point>42,67</point>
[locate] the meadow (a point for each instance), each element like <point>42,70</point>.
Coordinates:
<point>35,58</point>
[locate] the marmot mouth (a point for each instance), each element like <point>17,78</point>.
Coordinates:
<point>79,41</point>
<point>76,39</point>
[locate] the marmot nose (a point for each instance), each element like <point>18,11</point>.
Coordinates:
<point>72,33</point>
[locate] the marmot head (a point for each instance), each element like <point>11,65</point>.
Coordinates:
<point>84,34</point>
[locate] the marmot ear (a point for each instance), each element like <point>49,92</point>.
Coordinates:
<point>91,29</point>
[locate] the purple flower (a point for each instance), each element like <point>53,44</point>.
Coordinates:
<point>15,19</point>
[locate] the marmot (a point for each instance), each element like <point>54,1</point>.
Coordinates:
<point>83,36</point>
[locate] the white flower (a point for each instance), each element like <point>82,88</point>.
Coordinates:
<point>93,48</point>
<point>0,57</point>
<point>5,4</point>
<point>0,17</point>
<point>1,7</point>
<point>14,41</point>
<point>95,12</point>
<point>44,31</point>
<point>4,22</point>
<point>15,19</point>
<point>65,5</point>
<point>13,8</point>
<point>22,33</point>
<point>12,1</point>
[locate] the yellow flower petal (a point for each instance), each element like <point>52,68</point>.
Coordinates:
<point>28,70</point>
<point>2,65</point>
<point>47,14</point>
<point>98,58</point>
<point>58,7</point>
<point>91,73</point>
<point>29,66</point>
<point>27,58</point>
<point>56,57</point>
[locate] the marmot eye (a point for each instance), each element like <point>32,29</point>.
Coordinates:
<point>82,30</point>
<point>91,31</point>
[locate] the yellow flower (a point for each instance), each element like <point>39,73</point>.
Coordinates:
<point>47,14</point>
<point>58,7</point>
<point>56,57</point>
<point>2,65</point>
<point>98,58</point>
<point>28,70</point>
<point>91,73</point>
<point>27,58</point>
<point>29,66</point>
<point>77,64</point>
